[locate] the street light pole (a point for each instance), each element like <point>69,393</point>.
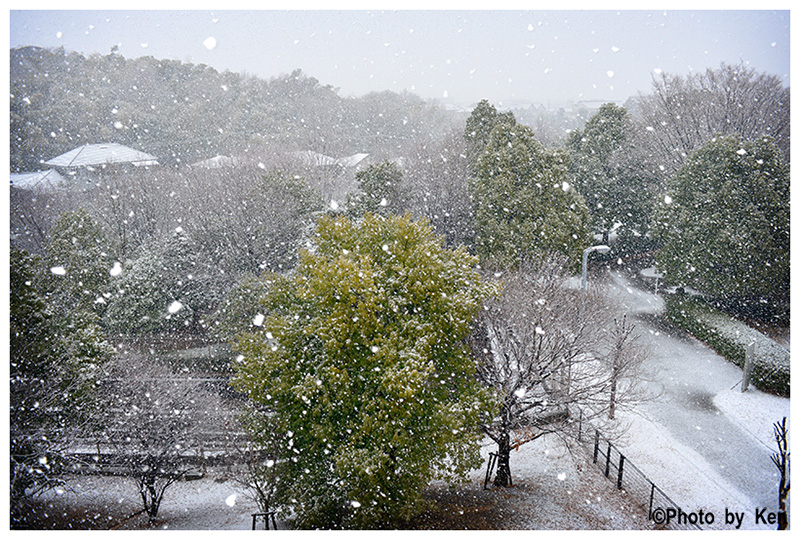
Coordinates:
<point>599,249</point>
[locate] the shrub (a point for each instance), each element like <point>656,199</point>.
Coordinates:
<point>730,338</point>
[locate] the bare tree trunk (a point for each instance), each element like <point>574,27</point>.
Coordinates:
<point>612,407</point>
<point>781,461</point>
<point>503,477</point>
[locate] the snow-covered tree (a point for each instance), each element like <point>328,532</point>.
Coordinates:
<point>682,113</point>
<point>724,222</point>
<point>438,178</point>
<point>781,461</point>
<point>76,263</point>
<point>55,362</point>
<point>548,355</point>
<point>478,129</point>
<point>599,165</point>
<point>523,201</point>
<point>381,190</point>
<point>154,422</point>
<point>250,221</point>
<point>168,285</point>
<point>361,357</point>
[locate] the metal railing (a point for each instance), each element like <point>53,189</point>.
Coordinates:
<point>661,509</point>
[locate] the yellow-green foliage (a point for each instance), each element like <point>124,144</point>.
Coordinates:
<point>362,362</point>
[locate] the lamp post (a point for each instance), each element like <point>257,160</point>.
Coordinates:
<point>599,249</point>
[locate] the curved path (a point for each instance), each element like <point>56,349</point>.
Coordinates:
<point>691,380</point>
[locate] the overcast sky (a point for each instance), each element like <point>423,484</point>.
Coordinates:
<point>454,56</point>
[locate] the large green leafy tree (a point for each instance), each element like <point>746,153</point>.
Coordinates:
<point>362,364</point>
<point>478,129</point>
<point>381,190</point>
<point>55,362</point>
<point>524,204</point>
<point>599,166</point>
<point>724,223</point>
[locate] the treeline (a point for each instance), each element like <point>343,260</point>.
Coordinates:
<point>183,112</point>
<point>370,384</point>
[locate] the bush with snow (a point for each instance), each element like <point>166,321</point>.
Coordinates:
<point>730,338</point>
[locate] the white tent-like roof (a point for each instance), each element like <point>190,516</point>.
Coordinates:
<point>352,161</point>
<point>100,154</point>
<point>37,180</point>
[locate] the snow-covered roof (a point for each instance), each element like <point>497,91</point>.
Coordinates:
<point>316,159</point>
<point>352,161</point>
<point>37,180</point>
<point>216,162</point>
<point>100,154</point>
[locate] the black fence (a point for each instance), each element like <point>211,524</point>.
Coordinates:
<point>661,509</point>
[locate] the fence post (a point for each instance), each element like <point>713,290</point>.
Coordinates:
<point>489,468</point>
<point>596,444</point>
<point>619,473</point>
<point>749,354</point>
<point>608,458</point>
<point>650,509</point>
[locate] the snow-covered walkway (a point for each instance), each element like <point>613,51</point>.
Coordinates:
<point>702,440</point>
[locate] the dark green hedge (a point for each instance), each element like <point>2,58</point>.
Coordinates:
<point>729,338</point>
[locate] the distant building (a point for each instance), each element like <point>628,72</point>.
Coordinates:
<point>39,180</point>
<point>352,161</point>
<point>86,162</point>
<point>99,155</point>
<point>315,159</point>
<point>337,166</point>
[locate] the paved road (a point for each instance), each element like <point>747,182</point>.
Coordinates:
<point>688,375</point>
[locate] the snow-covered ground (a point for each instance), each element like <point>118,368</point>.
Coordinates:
<point>701,440</point>
<point>553,489</point>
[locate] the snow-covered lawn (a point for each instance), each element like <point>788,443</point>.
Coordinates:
<point>696,450</point>
<point>553,489</point>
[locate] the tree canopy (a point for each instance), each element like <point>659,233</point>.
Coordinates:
<point>524,203</point>
<point>360,359</point>
<point>600,165</point>
<point>182,112</point>
<point>724,222</point>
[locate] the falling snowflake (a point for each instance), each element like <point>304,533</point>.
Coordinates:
<point>175,307</point>
<point>231,500</point>
<point>258,320</point>
<point>58,270</point>
<point>116,269</point>
<point>210,43</point>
